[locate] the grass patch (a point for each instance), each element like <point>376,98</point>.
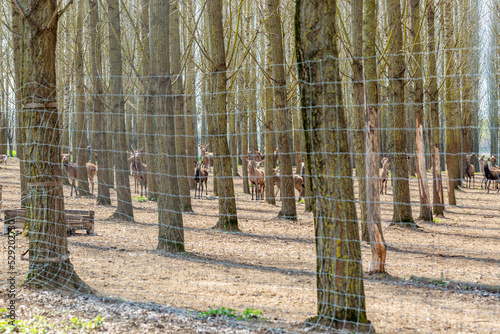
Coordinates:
<point>249,314</point>
<point>39,324</point>
<point>437,220</point>
<point>141,199</point>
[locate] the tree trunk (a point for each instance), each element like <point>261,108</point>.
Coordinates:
<point>359,116</point>
<point>418,104</point>
<point>81,132</point>
<point>288,208</point>
<point>180,119</point>
<point>50,267</point>
<point>340,289</point>
<point>437,196</point>
<point>19,54</point>
<point>372,147</point>
<point>401,191</point>
<point>124,209</point>
<point>100,142</point>
<point>222,159</point>
<point>451,113</point>
<point>269,130</point>
<point>170,231</point>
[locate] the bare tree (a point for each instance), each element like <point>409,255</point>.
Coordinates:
<point>340,288</point>
<point>222,160</point>
<point>50,267</point>
<point>124,209</point>
<point>288,208</point>
<point>101,147</point>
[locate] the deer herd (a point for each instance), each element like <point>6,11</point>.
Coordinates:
<point>256,176</point>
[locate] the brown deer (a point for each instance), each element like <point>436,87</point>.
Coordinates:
<point>470,171</point>
<point>298,183</point>
<point>207,158</point>
<point>3,159</point>
<point>256,177</point>
<point>492,174</point>
<point>71,169</point>
<point>259,157</point>
<point>384,174</point>
<point>200,177</point>
<point>139,170</point>
<point>91,171</point>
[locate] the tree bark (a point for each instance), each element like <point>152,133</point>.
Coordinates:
<point>80,133</point>
<point>451,113</point>
<point>372,147</point>
<point>170,231</point>
<point>45,202</point>
<point>124,209</point>
<point>288,208</point>
<point>101,147</point>
<point>228,219</point>
<point>180,116</point>
<point>401,191</point>
<point>433,98</point>
<point>340,289</point>
<point>359,115</point>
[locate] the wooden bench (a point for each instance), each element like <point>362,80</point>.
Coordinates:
<point>76,220</point>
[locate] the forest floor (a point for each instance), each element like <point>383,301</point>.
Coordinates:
<point>269,266</point>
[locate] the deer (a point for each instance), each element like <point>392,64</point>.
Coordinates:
<point>384,174</point>
<point>200,177</point>
<point>71,169</point>
<point>3,159</point>
<point>256,177</point>
<point>139,170</point>
<point>298,183</point>
<point>259,156</point>
<point>207,158</point>
<point>470,171</point>
<point>491,174</point>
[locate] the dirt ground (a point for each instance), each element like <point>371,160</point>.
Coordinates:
<point>270,265</point>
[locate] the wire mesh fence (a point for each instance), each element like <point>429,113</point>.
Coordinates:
<point>333,192</point>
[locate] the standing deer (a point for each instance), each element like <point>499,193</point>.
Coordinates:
<point>384,174</point>
<point>91,171</point>
<point>256,177</point>
<point>200,177</point>
<point>298,183</point>
<point>139,170</point>
<point>207,158</point>
<point>470,171</point>
<point>71,169</point>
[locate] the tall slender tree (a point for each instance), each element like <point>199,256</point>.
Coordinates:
<point>50,266</point>
<point>401,190</point>
<point>288,208</point>
<point>227,202</point>
<point>170,231</point>
<point>340,290</point>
